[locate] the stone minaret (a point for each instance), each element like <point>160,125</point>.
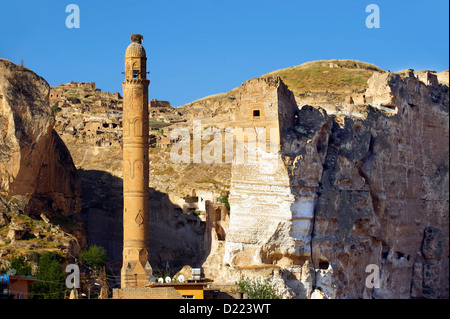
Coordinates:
<point>136,267</point>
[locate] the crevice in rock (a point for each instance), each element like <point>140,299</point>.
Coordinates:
<point>359,166</point>
<point>322,148</point>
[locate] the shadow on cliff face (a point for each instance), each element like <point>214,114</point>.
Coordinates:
<point>176,238</point>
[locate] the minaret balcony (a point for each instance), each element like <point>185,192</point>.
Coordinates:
<point>137,81</point>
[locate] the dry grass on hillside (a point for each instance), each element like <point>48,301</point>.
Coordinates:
<point>331,75</point>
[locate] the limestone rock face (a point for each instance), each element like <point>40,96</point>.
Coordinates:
<point>263,183</point>
<point>34,161</point>
<point>16,232</point>
<point>384,184</point>
<point>355,194</point>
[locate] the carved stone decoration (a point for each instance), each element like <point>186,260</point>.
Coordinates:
<point>139,218</point>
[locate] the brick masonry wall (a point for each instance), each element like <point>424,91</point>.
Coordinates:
<point>146,293</point>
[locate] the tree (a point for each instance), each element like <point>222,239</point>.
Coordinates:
<point>95,256</point>
<point>94,259</point>
<point>50,282</point>
<point>22,267</point>
<point>257,288</point>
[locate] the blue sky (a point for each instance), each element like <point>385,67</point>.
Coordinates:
<point>197,48</point>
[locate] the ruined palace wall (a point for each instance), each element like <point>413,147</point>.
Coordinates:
<point>260,191</point>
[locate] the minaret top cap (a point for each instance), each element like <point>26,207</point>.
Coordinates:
<point>137,38</point>
<point>135,49</point>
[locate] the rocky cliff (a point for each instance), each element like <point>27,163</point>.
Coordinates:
<point>36,167</point>
<point>384,193</point>
<point>34,160</point>
<point>365,188</point>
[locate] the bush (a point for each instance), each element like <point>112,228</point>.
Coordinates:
<point>257,288</point>
<point>94,257</point>
<point>224,200</point>
<point>19,264</point>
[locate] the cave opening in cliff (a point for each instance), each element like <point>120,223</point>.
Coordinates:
<point>400,255</point>
<point>323,264</point>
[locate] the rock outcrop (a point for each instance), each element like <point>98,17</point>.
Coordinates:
<point>385,182</point>
<point>366,189</point>
<point>22,235</point>
<point>34,161</point>
<point>39,185</point>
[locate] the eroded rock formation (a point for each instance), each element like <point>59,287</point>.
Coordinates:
<point>366,187</point>
<point>34,161</point>
<point>39,185</point>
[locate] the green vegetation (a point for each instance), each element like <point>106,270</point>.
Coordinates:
<point>50,277</point>
<point>197,212</point>
<point>224,200</point>
<point>55,108</point>
<point>207,180</point>
<point>257,288</point>
<point>22,267</point>
<point>159,273</point>
<point>167,171</point>
<point>95,257</point>
<point>65,222</point>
